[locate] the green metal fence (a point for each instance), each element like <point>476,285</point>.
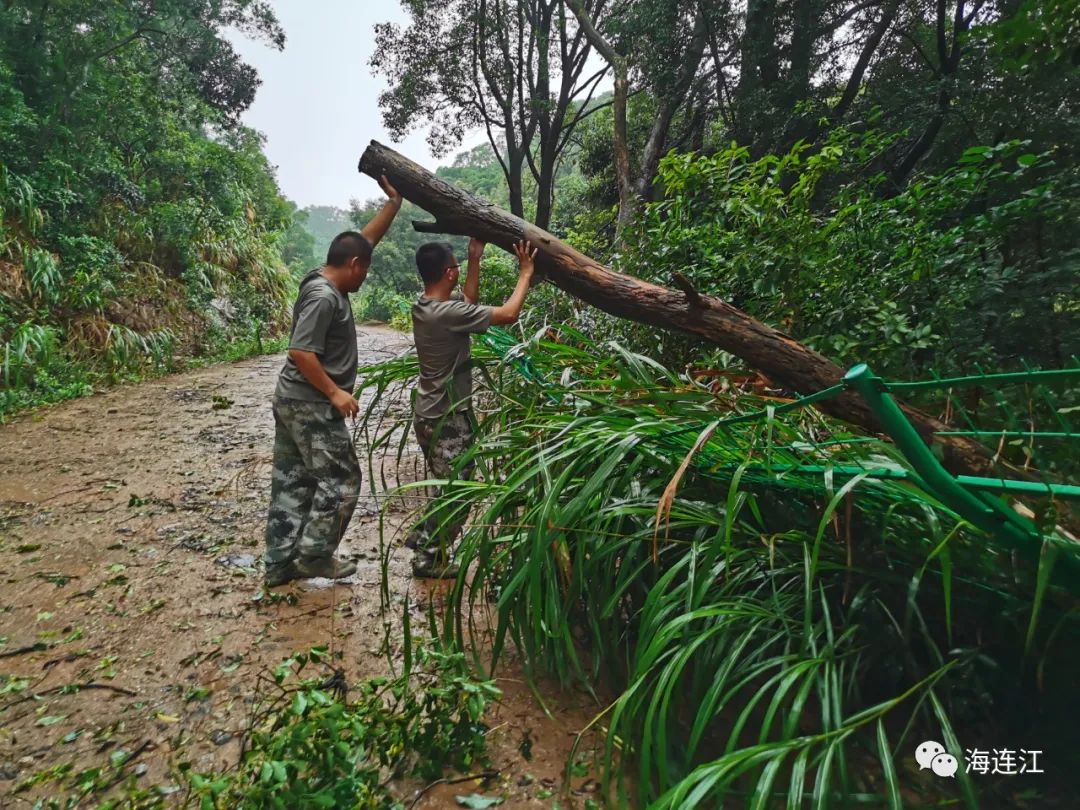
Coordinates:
<point>983,502</point>
<point>1023,419</point>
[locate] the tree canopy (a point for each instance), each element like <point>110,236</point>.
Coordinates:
<point>830,167</point>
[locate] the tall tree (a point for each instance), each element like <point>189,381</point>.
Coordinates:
<point>54,45</point>
<point>677,31</point>
<point>516,68</point>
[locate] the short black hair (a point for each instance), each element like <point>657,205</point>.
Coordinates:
<point>432,259</point>
<point>348,246</point>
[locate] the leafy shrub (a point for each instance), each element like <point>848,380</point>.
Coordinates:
<point>91,269</point>
<point>958,268</point>
<point>31,347</point>
<point>381,303</point>
<point>42,275</point>
<point>774,620</point>
<point>308,747</point>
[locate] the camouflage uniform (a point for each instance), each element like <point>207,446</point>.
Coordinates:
<point>315,482</point>
<point>443,441</point>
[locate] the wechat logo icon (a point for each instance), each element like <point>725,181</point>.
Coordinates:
<point>933,755</point>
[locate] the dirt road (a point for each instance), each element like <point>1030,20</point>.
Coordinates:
<point>130,528</point>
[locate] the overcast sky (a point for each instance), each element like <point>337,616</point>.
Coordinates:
<point>318,103</point>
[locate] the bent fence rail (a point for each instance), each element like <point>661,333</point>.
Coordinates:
<point>996,505</point>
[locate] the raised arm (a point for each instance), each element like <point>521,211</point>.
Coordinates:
<point>380,223</point>
<point>509,312</point>
<point>472,276</point>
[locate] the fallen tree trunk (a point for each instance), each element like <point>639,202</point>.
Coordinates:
<point>782,359</point>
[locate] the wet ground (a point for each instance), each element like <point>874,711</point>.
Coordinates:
<point>130,532</point>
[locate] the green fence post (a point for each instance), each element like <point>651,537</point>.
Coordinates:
<point>988,514</point>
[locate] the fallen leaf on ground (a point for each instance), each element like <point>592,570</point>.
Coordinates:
<point>474,801</point>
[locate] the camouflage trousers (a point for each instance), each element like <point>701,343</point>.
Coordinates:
<point>443,441</point>
<point>315,482</point>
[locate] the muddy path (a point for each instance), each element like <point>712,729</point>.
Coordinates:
<point>130,529</point>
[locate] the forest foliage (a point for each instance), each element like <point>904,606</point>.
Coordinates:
<point>888,182</point>
<point>140,222</point>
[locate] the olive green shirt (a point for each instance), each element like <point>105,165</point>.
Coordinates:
<point>323,324</point>
<point>441,332</point>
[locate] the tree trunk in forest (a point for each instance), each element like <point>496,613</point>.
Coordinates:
<point>749,96</point>
<point>514,171</point>
<point>543,170</point>
<point>622,151</point>
<point>946,70</point>
<point>784,360</point>
<point>620,95</point>
<point>671,99</point>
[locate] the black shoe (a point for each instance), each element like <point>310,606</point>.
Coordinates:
<point>328,567</point>
<point>280,573</point>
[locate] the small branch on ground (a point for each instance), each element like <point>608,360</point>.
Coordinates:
<point>74,687</point>
<point>40,646</point>
<point>120,774</point>
<point>456,780</point>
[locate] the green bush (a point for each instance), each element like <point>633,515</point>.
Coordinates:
<point>545,303</point>
<point>963,267</point>
<point>380,303</point>
<point>765,617</point>
<point>309,747</point>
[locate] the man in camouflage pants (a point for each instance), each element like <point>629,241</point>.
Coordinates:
<point>443,441</point>
<point>316,477</point>
<point>442,322</point>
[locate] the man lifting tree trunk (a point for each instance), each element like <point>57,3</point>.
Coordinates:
<point>316,478</point>
<point>443,320</point>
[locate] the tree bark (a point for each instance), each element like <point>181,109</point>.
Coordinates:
<point>515,165</point>
<point>784,360</point>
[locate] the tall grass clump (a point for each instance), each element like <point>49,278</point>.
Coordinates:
<point>781,615</point>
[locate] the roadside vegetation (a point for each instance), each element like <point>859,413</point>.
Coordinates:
<point>140,224</point>
<point>781,620</point>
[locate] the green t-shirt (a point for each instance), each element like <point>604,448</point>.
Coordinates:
<point>322,323</point>
<point>441,332</point>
